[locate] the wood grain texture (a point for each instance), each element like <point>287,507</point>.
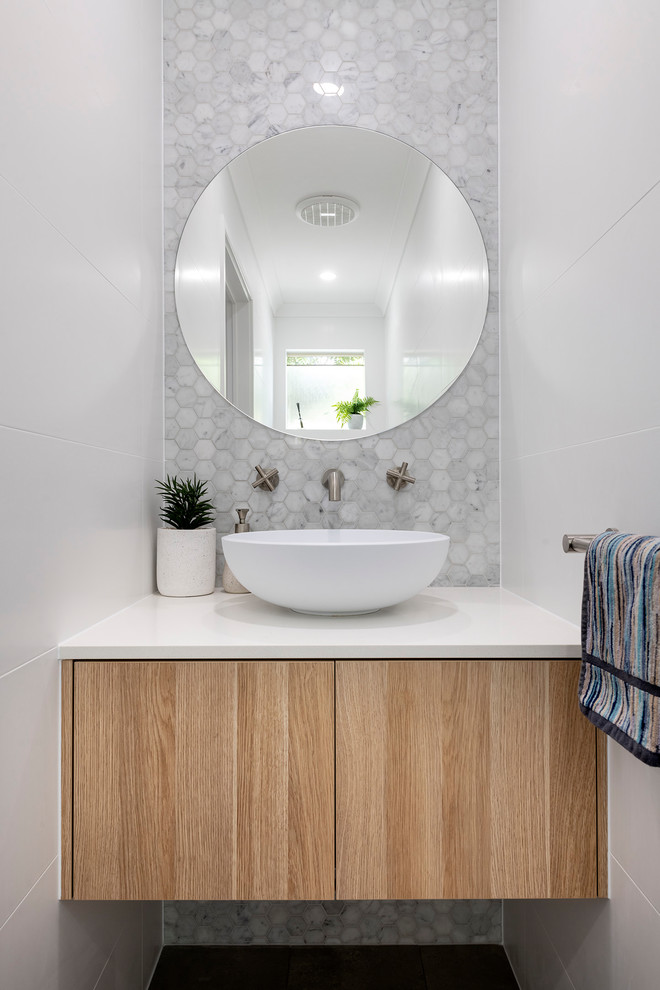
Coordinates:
<point>573,805</point>
<point>124,808</point>
<point>466,848</point>
<point>516,755</point>
<point>463,779</point>
<point>66,779</point>
<point>203,780</point>
<point>361,741</point>
<point>311,790</point>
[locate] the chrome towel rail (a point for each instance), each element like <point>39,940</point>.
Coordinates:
<point>574,543</point>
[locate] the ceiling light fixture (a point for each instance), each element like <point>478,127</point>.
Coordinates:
<point>326,210</point>
<point>328,276</point>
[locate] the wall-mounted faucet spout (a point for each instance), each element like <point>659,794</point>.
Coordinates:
<point>333,479</point>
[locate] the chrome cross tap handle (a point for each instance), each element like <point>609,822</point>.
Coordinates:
<point>398,478</point>
<point>266,480</point>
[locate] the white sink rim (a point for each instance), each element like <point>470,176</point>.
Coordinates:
<point>305,570</point>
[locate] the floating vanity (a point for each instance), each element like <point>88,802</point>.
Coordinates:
<point>221,748</point>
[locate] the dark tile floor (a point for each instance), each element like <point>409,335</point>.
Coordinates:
<point>359,967</point>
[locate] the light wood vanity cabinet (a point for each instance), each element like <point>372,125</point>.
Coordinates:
<point>200,780</point>
<point>470,779</point>
<point>252,780</point>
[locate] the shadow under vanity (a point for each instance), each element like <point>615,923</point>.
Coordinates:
<point>224,749</point>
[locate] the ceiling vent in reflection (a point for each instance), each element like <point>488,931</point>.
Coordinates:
<point>327,211</point>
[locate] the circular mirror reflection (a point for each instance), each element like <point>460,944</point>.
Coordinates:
<point>326,265</point>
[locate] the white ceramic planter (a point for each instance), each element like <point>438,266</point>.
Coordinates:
<point>185,562</point>
<point>356,421</point>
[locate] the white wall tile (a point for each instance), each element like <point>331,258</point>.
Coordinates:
<point>581,414</point>
<point>635,838</point>
<point>544,969</point>
<point>76,549</point>
<point>71,132</point>
<point>29,741</point>
<point>514,525</point>
<point>123,970</point>
<point>80,430</point>
<point>590,342</point>
<point>576,125</point>
<point>585,945</point>
<point>74,346</point>
<point>49,945</point>
<point>603,945</point>
<point>584,488</point>
<point>512,372</point>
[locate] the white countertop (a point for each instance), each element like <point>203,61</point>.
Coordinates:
<point>438,623</point>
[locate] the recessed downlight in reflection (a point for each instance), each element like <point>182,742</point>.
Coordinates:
<point>328,89</point>
<point>328,276</point>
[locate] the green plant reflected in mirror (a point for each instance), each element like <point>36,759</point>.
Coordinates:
<point>351,412</point>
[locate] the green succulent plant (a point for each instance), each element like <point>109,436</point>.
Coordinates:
<point>184,505</point>
<point>352,407</point>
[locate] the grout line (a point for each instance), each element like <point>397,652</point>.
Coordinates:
<point>67,240</point>
<point>552,946</point>
<point>635,885</point>
<point>538,299</point>
<point>34,659</point>
<point>25,897</point>
<point>577,446</point>
<point>513,969</point>
<point>146,984</point>
<point>77,443</point>
<point>110,955</point>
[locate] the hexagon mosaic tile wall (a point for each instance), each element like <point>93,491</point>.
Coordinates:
<point>424,71</point>
<point>332,922</point>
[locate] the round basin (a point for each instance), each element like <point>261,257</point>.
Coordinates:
<point>335,571</point>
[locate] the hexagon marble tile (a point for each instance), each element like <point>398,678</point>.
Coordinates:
<point>423,71</point>
<point>332,922</point>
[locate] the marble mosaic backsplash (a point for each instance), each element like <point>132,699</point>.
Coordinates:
<point>423,71</point>
<point>332,922</point>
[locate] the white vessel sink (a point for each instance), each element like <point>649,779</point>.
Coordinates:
<point>335,571</point>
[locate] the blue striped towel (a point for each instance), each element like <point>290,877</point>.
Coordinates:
<point>620,677</point>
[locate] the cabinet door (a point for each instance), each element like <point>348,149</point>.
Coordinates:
<point>464,779</point>
<point>203,780</point>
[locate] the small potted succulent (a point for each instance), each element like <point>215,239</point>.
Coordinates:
<point>186,547</point>
<point>351,412</point>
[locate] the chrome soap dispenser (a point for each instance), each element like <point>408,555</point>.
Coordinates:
<point>229,583</point>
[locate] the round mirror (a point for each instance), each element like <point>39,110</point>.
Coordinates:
<point>327,267</point>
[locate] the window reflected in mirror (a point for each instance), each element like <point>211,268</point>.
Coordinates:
<point>315,381</point>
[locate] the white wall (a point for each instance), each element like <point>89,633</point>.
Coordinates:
<point>80,431</point>
<point>580,213</point>
<point>437,305</point>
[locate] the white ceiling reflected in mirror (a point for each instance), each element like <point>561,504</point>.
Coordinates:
<point>327,260</point>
